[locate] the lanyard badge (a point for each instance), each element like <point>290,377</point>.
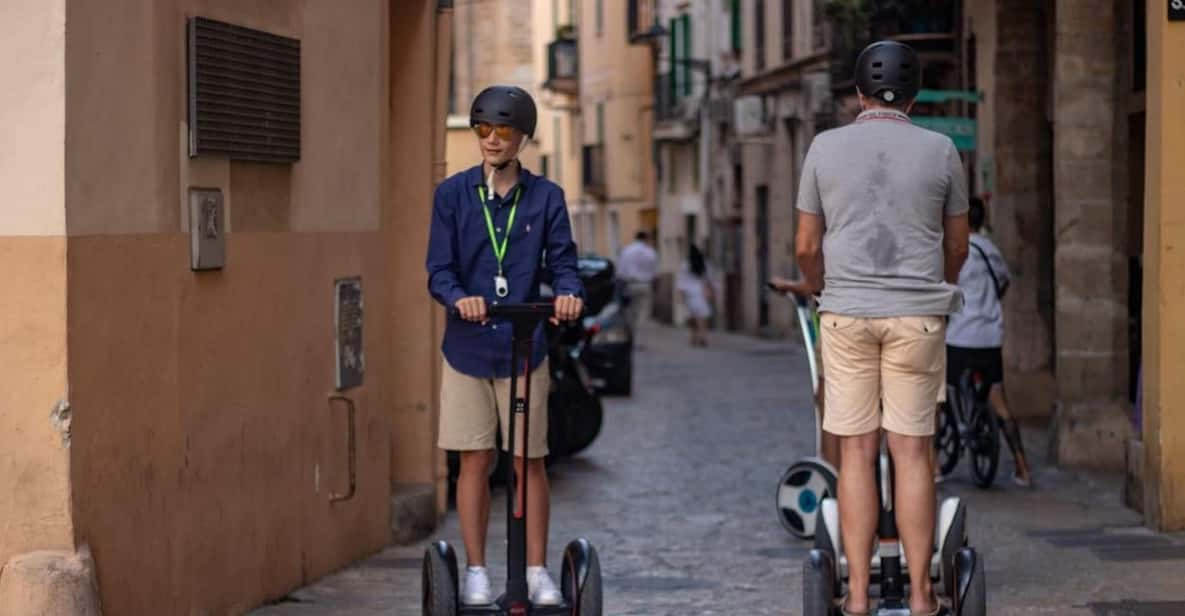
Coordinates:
<point>501,285</point>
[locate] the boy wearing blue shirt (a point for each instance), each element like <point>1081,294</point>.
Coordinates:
<point>496,230</point>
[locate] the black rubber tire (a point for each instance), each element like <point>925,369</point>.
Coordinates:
<point>800,522</point>
<point>818,584</point>
<point>439,593</point>
<point>985,452</point>
<point>592,600</point>
<point>947,443</point>
<point>954,541</point>
<point>575,419</point>
<point>974,603</point>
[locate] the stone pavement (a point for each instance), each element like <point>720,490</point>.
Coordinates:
<point>678,497</point>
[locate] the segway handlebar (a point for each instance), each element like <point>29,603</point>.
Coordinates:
<point>801,300</point>
<point>509,311</point>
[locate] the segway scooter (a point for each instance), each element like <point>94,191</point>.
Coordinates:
<point>808,481</point>
<point>580,580</point>
<point>956,570</point>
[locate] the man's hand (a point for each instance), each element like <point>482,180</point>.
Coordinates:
<point>472,309</point>
<point>796,287</point>
<point>567,308</point>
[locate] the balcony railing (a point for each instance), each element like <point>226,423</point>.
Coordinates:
<point>593,158</point>
<point>665,101</point>
<point>563,66</point>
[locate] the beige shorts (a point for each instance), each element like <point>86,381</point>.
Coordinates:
<point>897,363</point>
<point>471,409</point>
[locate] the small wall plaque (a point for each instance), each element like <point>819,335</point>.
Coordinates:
<point>347,316</point>
<point>1176,10</point>
<point>207,229</point>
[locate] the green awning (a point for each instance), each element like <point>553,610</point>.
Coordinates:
<point>942,96</point>
<point>961,130</point>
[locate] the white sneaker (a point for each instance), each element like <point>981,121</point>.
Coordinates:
<point>542,588</point>
<point>477,587</point>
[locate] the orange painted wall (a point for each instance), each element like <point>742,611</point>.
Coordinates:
<point>202,464</point>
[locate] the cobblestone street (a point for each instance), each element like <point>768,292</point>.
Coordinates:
<point>678,497</point>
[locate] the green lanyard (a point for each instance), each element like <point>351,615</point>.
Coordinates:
<point>499,251</point>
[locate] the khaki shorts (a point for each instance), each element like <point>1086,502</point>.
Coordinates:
<point>471,409</point>
<point>898,363</point>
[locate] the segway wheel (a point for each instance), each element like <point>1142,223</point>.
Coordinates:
<point>439,582</point>
<point>972,597</point>
<point>985,434</point>
<point>580,579</point>
<point>946,440</point>
<point>800,492</point>
<point>818,584</point>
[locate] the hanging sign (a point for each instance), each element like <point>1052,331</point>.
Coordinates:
<point>1176,10</point>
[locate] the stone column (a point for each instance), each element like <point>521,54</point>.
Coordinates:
<point>1091,423</point>
<point>1020,208</point>
<point>1164,277</point>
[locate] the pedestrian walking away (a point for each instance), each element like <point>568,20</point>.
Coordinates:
<point>636,268</point>
<point>490,224</point>
<point>882,237</point>
<point>697,291</point>
<point>975,334</point>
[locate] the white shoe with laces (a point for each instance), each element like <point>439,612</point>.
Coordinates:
<point>477,587</point>
<point>542,588</point>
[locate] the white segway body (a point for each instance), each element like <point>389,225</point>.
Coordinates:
<point>809,481</point>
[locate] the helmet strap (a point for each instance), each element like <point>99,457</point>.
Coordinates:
<point>504,164</point>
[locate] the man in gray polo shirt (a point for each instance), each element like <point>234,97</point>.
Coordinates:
<point>882,235</point>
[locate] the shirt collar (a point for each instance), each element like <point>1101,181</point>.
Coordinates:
<point>883,114</point>
<point>477,180</point>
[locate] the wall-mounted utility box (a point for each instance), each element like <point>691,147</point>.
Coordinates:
<point>347,316</point>
<point>207,229</point>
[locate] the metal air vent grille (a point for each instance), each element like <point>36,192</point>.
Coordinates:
<point>244,93</point>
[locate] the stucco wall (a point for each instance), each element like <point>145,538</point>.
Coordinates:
<point>34,458</point>
<point>32,116</point>
<point>204,445</point>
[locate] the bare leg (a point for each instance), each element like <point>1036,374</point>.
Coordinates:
<point>473,503</point>
<point>1011,430</point>
<point>914,501</point>
<point>858,512</point>
<point>538,509</point>
<point>828,442</point>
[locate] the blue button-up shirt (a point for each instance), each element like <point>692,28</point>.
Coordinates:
<point>461,263</point>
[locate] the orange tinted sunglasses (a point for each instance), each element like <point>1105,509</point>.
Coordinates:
<point>483,130</point>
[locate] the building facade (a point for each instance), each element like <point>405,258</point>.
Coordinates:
<point>616,122</point>
<point>206,399</point>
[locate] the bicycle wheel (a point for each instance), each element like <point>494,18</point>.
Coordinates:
<point>985,444</point>
<point>947,443</point>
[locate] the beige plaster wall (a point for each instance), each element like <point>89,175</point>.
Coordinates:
<point>203,466</point>
<point>32,116</point>
<point>34,457</point>
<point>126,118</point>
<point>204,444</point>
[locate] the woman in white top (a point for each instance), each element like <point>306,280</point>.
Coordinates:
<point>696,290</point>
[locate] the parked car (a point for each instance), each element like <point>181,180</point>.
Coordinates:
<point>609,352</point>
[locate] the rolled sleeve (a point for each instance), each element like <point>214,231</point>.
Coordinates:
<point>956,192</point>
<point>561,250</point>
<point>809,199</point>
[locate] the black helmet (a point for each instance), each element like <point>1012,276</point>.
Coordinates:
<point>889,71</point>
<point>509,105</point>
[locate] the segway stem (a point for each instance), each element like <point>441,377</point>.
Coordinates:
<point>524,318</point>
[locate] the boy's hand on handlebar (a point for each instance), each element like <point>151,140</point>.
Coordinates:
<point>472,309</point>
<point>567,308</point>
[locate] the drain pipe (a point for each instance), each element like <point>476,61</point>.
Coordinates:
<point>442,64</point>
